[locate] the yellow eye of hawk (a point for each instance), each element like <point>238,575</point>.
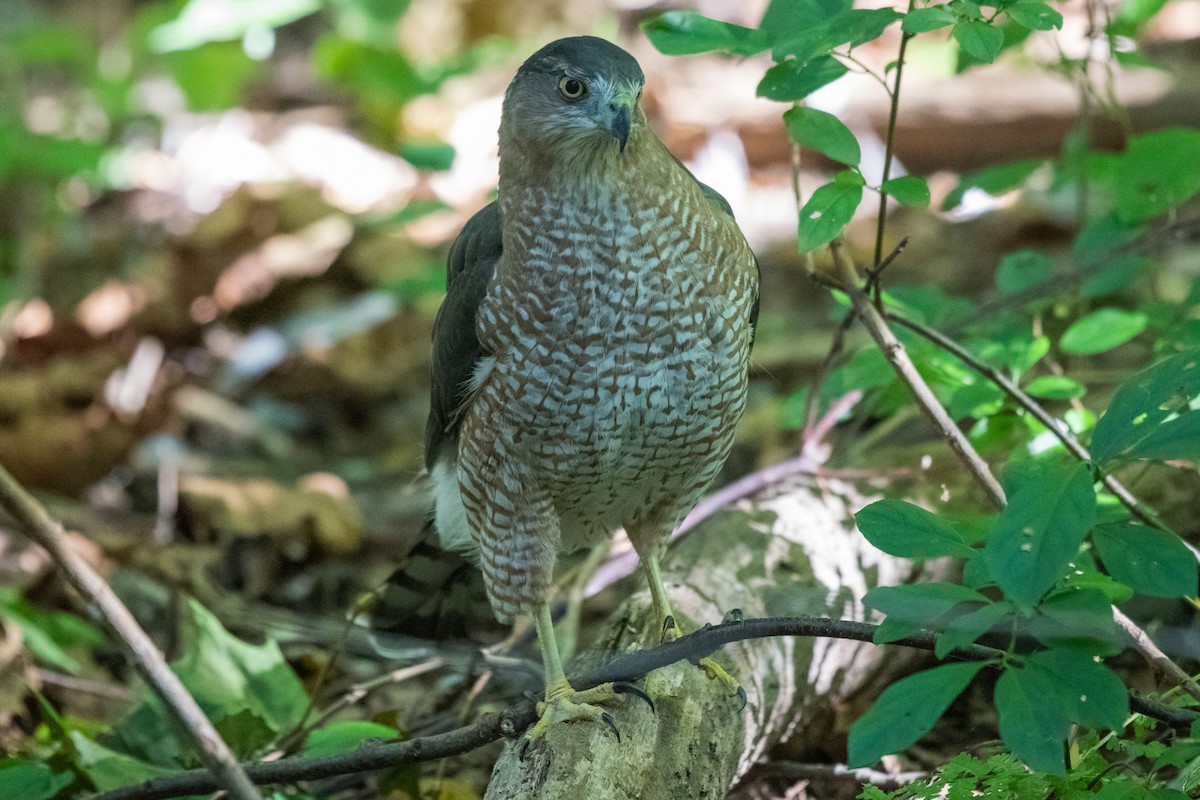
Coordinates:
<point>572,88</point>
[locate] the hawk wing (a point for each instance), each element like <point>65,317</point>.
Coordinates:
<point>456,347</point>
<point>720,202</point>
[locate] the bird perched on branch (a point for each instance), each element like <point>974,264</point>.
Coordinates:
<point>590,358</point>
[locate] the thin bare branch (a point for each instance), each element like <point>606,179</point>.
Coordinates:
<point>897,356</point>
<point>38,525</point>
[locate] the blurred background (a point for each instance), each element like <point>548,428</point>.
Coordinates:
<point>223,226</point>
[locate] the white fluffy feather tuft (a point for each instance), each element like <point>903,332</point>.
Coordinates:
<point>450,518</point>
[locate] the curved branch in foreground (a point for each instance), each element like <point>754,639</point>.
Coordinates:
<point>36,523</point>
<point>491,727</point>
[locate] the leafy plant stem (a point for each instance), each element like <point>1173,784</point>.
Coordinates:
<point>896,355</point>
<point>890,143</point>
<point>865,70</point>
<point>1035,409</point>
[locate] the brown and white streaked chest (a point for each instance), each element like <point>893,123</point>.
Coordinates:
<point>619,324</point>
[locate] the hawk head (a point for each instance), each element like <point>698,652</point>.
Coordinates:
<point>579,93</point>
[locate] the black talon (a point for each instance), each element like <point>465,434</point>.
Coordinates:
<point>524,749</point>
<point>733,616</point>
<point>611,723</point>
<point>741,693</point>
<point>623,687</point>
<point>668,623</point>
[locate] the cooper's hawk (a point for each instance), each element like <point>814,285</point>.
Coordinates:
<point>590,358</point>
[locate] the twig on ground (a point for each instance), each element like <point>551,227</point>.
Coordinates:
<point>106,691</point>
<point>511,722</point>
<point>38,525</point>
<point>355,694</point>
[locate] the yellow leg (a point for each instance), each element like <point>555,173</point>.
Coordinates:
<point>671,630</point>
<point>563,703</point>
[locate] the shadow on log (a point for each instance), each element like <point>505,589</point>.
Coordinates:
<point>797,552</point>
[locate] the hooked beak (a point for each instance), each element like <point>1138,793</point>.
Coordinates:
<point>619,127</point>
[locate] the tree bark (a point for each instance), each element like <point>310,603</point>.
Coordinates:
<point>794,553</point>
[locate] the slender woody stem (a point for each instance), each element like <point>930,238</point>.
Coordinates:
<point>39,526</point>
<point>889,145</point>
<point>897,356</point>
<point>1035,409</point>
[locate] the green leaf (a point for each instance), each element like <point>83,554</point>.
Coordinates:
<point>908,531</point>
<point>823,132</point>
<point>109,769</point>
<point>1102,330</point>
<point>1094,694</point>
<point>344,737</point>
<point>1153,562</point>
<point>434,156</point>
<point>964,629</point>
<point>826,213</point>
<point>994,180</point>
<point>1102,236</point>
<point>977,400</point>
<point>248,691</point>
<point>50,635</point>
<point>1022,270</point>
<point>923,20</point>
<point>681,33</point>
<point>382,78</point>
<point>979,39</point>
<point>228,676</point>
<point>920,603</point>
<point>783,17</point>
<point>31,780</point>
<point>204,21</point>
<point>1034,720</point>
<point>193,69</point>
<point>1132,15</point>
<point>1112,277</point>
<point>1143,403</point>
<point>908,190</point>
<point>829,29</point>
<point>1055,387</point>
<point>1159,171</point>
<point>1092,578</point>
<point>1077,618</point>
<point>1041,529</point>
<point>893,629</point>
<point>1177,438</point>
<point>861,25</point>
<point>793,80</point>
<point>906,711</point>
<point>1034,16</point>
